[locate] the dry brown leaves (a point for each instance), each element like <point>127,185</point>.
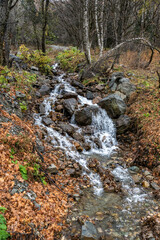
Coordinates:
<point>21,212</point>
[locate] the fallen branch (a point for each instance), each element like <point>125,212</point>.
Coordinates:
<point>101,66</point>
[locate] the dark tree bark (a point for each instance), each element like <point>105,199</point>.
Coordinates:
<point>5,7</point>
<point>45,5</point>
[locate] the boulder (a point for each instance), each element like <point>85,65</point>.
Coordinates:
<point>114,105</point>
<point>70,105</point>
<point>122,123</point>
<point>83,116</point>
<point>126,88</point>
<point>89,232</point>
<point>44,90</point>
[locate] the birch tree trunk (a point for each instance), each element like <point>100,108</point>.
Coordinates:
<point>99,26</point>
<point>102,28</point>
<point>86,31</point>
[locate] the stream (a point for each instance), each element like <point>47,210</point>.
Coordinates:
<point>117,216</point>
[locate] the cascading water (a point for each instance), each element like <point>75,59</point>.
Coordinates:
<point>103,130</point>
<point>135,200</point>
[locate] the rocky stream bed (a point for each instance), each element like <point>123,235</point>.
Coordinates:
<point>83,121</point>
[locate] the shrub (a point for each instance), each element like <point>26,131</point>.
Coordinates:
<point>70,59</point>
<point>37,58</point>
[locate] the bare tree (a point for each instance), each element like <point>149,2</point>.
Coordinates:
<point>99,22</point>
<point>44,6</point>
<point>5,7</point>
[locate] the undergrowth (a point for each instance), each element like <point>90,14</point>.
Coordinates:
<point>71,59</point>
<point>36,58</point>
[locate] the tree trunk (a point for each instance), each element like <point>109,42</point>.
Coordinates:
<point>86,31</point>
<point>45,4</point>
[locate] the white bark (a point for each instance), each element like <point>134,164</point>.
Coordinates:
<point>86,31</point>
<point>99,26</point>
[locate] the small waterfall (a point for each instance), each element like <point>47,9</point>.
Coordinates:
<point>104,130</point>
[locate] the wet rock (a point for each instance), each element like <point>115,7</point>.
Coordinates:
<point>122,124</point>
<point>98,142</point>
<point>67,128</point>
<point>133,169</point>
<point>42,108</point>
<point>89,232</point>
<point>59,108</point>
<point>126,88</point>
<point>78,147</point>
<point>88,130</point>
<point>47,121</point>
<point>114,105</point>
<point>20,95</point>
<point>86,146</point>
<point>70,95</point>
<point>155,186</point>
<point>83,117</point>
<point>44,90</point>
<point>77,136</point>
<point>96,100</point>
<point>89,95</point>
<point>70,105</point>
<point>77,84</point>
<point>52,169</point>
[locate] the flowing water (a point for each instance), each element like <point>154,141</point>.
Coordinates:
<point>122,214</point>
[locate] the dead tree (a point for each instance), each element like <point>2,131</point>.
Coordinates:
<point>5,7</point>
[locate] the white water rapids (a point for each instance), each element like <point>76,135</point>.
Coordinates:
<point>103,129</point>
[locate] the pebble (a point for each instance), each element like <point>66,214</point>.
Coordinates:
<point>145,184</point>
<point>155,186</point>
